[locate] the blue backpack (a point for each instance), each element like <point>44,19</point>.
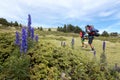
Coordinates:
<point>94,31</point>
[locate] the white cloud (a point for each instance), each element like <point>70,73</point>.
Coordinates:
<point>71,8</point>
<point>111,28</point>
<point>107,13</point>
<point>51,12</point>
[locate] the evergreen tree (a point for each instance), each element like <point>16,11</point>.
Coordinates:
<point>58,29</point>
<point>61,29</point>
<point>114,34</point>
<point>70,28</point>
<point>64,28</point>
<point>77,29</point>
<point>49,29</point>
<point>4,21</point>
<point>105,34</point>
<point>41,29</point>
<point>20,25</point>
<point>16,23</point>
<point>11,23</point>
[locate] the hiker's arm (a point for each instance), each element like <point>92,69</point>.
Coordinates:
<point>88,31</point>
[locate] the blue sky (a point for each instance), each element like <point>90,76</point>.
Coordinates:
<point>103,14</point>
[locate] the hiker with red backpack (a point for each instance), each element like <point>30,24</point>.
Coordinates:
<point>82,35</point>
<point>91,33</point>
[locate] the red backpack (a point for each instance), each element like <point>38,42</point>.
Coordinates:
<point>82,34</point>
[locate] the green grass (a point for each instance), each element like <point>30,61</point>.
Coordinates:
<point>55,33</point>
<point>110,38</point>
<point>112,49</point>
<point>54,37</point>
<point>52,29</point>
<point>47,59</point>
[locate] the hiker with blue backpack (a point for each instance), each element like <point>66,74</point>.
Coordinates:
<point>91,33</point>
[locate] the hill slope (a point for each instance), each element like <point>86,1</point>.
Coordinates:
<point>48,60</point>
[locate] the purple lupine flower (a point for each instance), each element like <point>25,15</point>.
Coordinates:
<point>17,41</point>
<point>24,45</point>
<point>36,38</point>
<point>29,19</point>
<point>104,44</point>
<point>73,41</point>
<point>94,53</point>
<point>29,25</point>
<point>32,33</point>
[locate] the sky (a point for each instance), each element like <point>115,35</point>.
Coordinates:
<point>103,14</point>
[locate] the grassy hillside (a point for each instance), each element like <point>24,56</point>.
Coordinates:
<point>47,60</point>
<point>52,29</point>
<point>112,45</point>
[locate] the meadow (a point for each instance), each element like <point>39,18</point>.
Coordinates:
<point>47,59</point>
<point>112,44</point>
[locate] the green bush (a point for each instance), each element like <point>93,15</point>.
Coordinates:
<point>46,61</point>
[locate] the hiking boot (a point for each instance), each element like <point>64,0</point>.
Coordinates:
<point>93,49</point>
<point>82,46</point>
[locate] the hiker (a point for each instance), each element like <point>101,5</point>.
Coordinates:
<point>72,43</point>
<point>91,33</point>
<point>82,35</point>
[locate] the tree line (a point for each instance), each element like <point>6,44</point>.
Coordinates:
<point>77,29</point>
<point>106,34</point>
<point>69,28</point>
<point>4,22</point>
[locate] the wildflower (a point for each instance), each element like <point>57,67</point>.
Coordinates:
<point>94,53</point>
<point>104,44</point>
<point>29,25</point>
<point>32,33</point>
<point>72,43</point>
<point>24,45</point>
<point>36,38</point>
<point>29,20</point>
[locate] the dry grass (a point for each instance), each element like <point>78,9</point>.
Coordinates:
<point>112,49</point>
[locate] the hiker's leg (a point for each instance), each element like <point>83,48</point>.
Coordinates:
<point>82,40</point>
<point>90,42</point>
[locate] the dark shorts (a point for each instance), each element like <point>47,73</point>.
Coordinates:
<point>90,39</point>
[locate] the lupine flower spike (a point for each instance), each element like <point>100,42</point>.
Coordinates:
<point>29,25</point>
<point>32,33</point>
<point>94,53</point>
<point>104,45</point>
<point>24,45</point>
<point>36,38</point>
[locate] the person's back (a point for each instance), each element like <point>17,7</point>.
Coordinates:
<point>89,30</point>
<point>92,31</point>
<point>82,33</point>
